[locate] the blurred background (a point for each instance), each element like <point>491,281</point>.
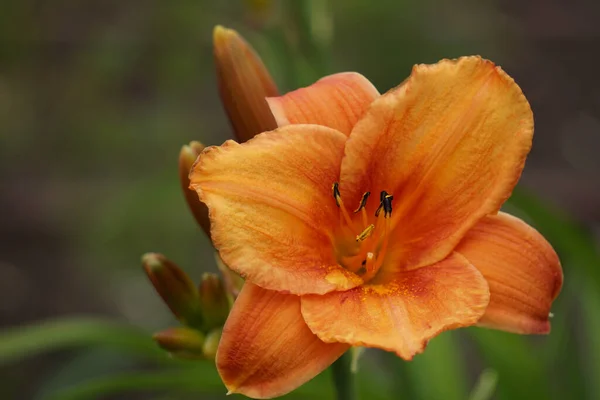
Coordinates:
<point>98,96</point>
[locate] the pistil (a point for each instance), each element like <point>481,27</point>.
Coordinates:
<point>340,203</point>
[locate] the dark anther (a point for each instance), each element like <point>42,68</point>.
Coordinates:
<point>363,263</point>
<point>336,193</point>
<point>363,202</point>
<point>386,204</point>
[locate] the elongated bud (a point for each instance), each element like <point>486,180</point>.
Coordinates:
<point>175,287</point>
<point>211,344</point>
<point>244,84</point>
<point>233,282</point>
<point>187,157</point>
<point>213,301</point>
<point>181,342</point>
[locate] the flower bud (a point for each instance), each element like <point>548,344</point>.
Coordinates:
<point>187,158</point>
<point>233,282</point>
<point>244,84</point>
<point>181,342</point>
<point>213,301</point>
<point>175,287</point>
<point>211,344</point>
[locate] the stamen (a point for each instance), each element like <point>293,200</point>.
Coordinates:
<point>363,202</point>
<point>378,209</point>
<point>336,193</point>
<point>366,233</point>
<point>362,208</point>
<point>387,206</point>
<point>338,201</point>
<point>385,203</point>
<point>365,218</point>
<point>386,241</point>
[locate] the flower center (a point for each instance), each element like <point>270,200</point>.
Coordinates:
<point>361,244</point>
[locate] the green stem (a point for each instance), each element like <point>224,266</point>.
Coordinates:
<point>343,378</point>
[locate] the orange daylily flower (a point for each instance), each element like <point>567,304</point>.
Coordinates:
<point>373,220</point>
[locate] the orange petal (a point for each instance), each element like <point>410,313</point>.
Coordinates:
<point>401,315</point>
<point>336,101</point>
<point>449,144</point>
<point>272,209</point>
<point>522,269</point>
<point>266,349</point>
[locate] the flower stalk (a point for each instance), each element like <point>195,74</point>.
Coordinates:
<point>343,378</point>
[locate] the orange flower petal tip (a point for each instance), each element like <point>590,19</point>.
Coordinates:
<point>337,101</point>
<point>523,271</point>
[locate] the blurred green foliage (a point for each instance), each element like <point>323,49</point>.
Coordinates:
<point>115,95</point>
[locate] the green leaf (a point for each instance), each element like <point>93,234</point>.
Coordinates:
<point>485,386</point>
<point>439,373</point>
<point>590,349</point>
<point>22,342</point>
<point>203,379</point>
<point>518,362</point>
<point>199,378</point>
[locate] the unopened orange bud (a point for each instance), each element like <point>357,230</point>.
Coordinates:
<point>244,84</point>
<point>175,287</point>
<point>213,301</point>
<point>181,342</point>
<point>211,344</point>
<point>187,157</point>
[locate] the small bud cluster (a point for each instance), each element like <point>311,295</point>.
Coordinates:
<point>202,310</point>
<point>244,84</point>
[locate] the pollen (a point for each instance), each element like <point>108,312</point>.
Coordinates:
<point>366,233</point>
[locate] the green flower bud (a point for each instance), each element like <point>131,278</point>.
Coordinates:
<point>213,301</point>
<point>175,287</point>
